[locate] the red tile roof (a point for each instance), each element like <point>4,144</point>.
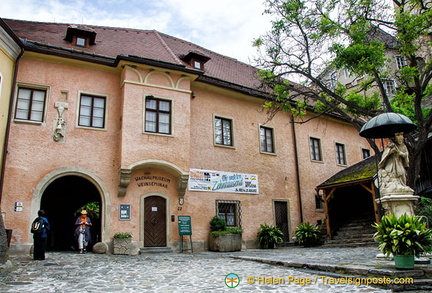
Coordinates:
<point>147,45</point>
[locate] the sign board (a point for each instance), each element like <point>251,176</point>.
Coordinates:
<point>125,212</point>
<point>184,225</point>
<point>220,181</point>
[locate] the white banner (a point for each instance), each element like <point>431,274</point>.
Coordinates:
<point>217,181</point>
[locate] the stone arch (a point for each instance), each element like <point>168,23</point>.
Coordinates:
<point>181,176</point>
<point>80,172</point>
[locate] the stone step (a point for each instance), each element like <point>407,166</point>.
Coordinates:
<point>353,236</point>
<point>144,250</point>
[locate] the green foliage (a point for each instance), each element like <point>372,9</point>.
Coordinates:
<point>268,236</point>
<point>92,208</point>
<point>406,235</point>
<point>361,58</point>
<point>228,230</point>
<point>123,235</point>
<point>308,235</point>
<point>217,224</point>
<point>218,227</point>
<point>424,208</point>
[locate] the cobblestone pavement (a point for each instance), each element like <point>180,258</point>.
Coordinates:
<point>173,272</point>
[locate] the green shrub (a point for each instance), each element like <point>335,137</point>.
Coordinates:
<point>308,235</point>
<point>123,235</point>
<point>424,208</point>
<point>228,230</point>
<point>217,224</point>
<point>268,236</point>
<point>406,235</point>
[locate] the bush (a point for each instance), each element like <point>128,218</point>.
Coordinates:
<point>228,230</point>
<point>308,235</point>
<point>406,235</point>
<point>217,224</point>
<point>424,208</point>
<point>123,235</point>
<point>268,236</point>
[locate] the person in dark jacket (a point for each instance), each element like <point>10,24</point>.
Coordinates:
<point>40,239</point>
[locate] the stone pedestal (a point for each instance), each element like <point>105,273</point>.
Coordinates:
<point>398,204</point>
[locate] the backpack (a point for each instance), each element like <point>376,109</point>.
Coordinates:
<point>37,225</point>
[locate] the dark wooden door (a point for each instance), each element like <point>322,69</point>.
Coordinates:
<point>281,215</point>
<point>154,221</point>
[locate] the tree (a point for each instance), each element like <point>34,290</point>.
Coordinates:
<point>309,37</point>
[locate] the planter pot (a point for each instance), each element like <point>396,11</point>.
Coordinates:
<point>225,243</point>
<point>121,245</point>
<point>404,262</point>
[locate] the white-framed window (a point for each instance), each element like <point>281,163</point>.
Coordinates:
<point>365,153</point>
<point>92,111</point>
<point>266,139</point>
<point>230,211</point>
<point>347,73</point>
<point>340,154</point>
<point>157,115</point>
<point>31,104</point>
<point>333,79</point>
<point>80,41</point>
<point>223,134</point>
<point>315,149</point>
<point>401,62</point>
<point>389,87</point>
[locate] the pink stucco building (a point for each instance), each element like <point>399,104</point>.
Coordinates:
<point>150,127</point>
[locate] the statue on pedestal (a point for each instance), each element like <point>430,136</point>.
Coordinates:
<point>391,168</point>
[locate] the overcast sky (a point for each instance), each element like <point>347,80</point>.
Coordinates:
<point>227,27</point>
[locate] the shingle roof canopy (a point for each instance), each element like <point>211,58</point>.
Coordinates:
<point>363,170</point>
<point>151,46</point>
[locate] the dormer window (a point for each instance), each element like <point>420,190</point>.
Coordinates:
<point>197,64</point>
<point>80,36</point>
<point>80,41</point>
<point>195,59</point>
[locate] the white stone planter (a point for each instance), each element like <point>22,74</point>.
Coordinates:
<point>122,246</point>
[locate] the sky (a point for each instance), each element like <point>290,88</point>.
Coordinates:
<point>227,27</point>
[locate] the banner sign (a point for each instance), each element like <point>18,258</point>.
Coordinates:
<point>217,181</point>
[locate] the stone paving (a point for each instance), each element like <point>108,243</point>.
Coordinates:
<point>176,272</point>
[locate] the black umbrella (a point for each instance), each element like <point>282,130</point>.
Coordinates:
<point>386,125</point>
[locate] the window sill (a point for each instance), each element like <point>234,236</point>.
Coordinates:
<point>28,122</point>
<point>224,146</point>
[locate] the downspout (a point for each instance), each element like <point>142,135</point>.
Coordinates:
<point>6,141</point>
<point>297,167</point>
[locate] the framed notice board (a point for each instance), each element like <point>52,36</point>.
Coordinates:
<point>184,225</point>
<point>125,212</point>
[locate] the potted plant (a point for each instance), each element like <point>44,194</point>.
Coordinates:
<point>308,235</point>
<point>121,243</point>
<point>403,237</point>
<point>223,238</point>
<point>268,236</point>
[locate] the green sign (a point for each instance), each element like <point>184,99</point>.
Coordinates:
<point>184,225</point>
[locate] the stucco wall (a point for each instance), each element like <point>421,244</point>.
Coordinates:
<point>35,159</point>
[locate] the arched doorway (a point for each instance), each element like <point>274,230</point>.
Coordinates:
<point>61,200</point>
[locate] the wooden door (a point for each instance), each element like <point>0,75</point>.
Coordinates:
<point>154,221</point>
<point>281,216</point>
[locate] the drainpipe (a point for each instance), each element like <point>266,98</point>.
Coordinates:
<point>297,167</point>
<point>6,141</point>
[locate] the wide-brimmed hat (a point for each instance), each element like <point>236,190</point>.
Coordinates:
<point>83,212</point>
